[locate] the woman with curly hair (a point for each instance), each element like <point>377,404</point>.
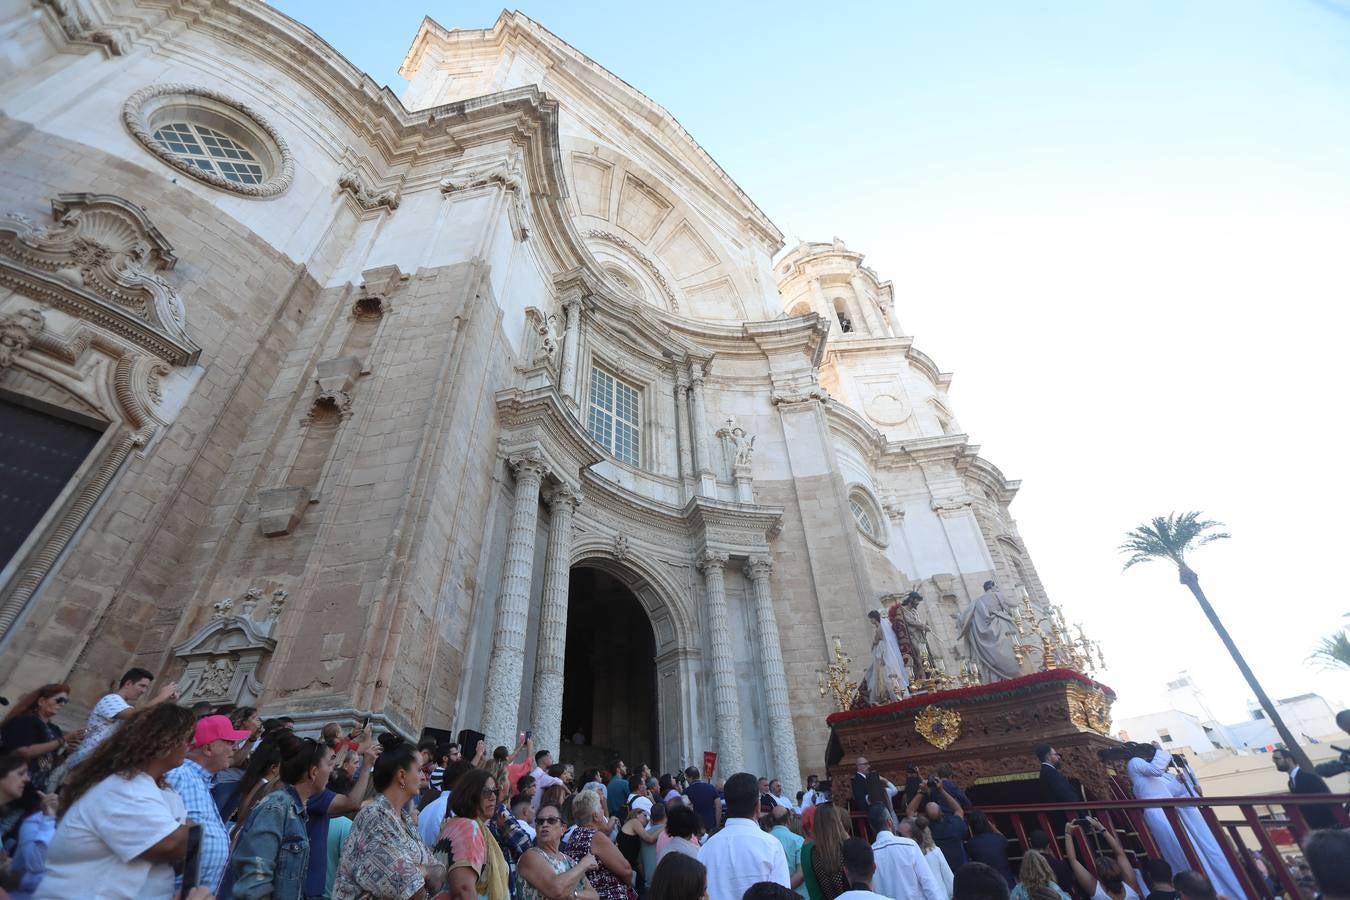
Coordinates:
<point>122,828</point>
<point>28,731</point>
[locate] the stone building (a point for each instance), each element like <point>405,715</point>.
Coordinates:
<point>495,406</point>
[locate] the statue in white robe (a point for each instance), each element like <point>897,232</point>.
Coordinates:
<point>886,662</point>
<point>1151,780</point>
<point>988,631</point>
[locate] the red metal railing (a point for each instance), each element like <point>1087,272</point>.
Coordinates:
<point>1269,821</point>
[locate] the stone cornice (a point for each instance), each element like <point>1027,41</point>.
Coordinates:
<point>736,528</point>
<point>537,421</point>
<point>924,363</point>
<point>611,94</point>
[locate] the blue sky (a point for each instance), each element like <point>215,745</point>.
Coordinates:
<point>1123,226</point>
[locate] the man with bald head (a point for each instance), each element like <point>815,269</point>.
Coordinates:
<point>860,784</point>
<point>948,829</point>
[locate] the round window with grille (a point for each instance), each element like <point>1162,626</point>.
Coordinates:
<point>211,137</point>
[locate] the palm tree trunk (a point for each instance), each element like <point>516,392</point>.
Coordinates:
<point>1192,581</point>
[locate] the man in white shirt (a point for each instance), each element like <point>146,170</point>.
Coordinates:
<point>113,708</point>
<point>543,761</point>
<point>901,870</point>
<point>859,865</point>
<point>776,792</point>
<point>813,793</point>
<point>741,854</point>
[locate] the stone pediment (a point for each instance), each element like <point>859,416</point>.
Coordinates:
<point>102,260</point>
<point>228,635</point>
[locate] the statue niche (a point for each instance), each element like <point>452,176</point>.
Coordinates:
<point>222,660</point>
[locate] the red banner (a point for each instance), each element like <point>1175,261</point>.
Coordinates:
<point>709,764</point>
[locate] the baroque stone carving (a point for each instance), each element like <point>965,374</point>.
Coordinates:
<point>17,333</point>
<point>952,505</point>
<point>790,397</point>
<point>548,340</point>
<point>222,659</point>
<point>102,261</point>
<point>506,173</point>
<point>365,196</point>
<point>136,116</point>
<point>742,445</point>
<point>620,546</point>
<point>78,27</point>
<point>642,258</point>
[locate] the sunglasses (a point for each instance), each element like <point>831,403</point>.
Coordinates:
<point>489,792</point>
<point>62,701</point>
<point>548,820</point>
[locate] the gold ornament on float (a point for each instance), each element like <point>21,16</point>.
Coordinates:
<point>939,727</point>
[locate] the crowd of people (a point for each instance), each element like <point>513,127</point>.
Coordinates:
<point>160,800</point>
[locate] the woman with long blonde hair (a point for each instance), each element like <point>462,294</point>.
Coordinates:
<point>121,823</point>
<point>1036,880</point>
<point>823,857</point>
<point>936,859</point>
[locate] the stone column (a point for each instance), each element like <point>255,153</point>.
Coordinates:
<point>548,665</point>
<point>501,706</point>
<point>571,350</point>
<point>726,708</point>
<point>707,480</point>
<point>869,309</point>
<point>682,422</point>
<point>781,733</point>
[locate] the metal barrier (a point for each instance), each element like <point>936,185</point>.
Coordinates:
<point>1270,821</point>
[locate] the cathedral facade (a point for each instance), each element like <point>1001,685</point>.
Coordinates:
<point>497,405</point>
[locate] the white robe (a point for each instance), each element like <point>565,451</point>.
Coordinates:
<point>1152,781</point>
<point>885,660</point>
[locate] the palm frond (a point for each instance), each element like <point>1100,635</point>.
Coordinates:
<point>1333,652</point>
<point>1170,538</point>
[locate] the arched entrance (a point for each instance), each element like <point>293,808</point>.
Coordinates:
<point>610,673</point>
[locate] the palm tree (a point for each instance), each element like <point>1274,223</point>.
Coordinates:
<point>1170,539</point>
<point>1334,652</point>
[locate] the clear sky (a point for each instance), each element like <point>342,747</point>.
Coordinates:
<point>1124,227</point>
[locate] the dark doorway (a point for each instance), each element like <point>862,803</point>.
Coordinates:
<point>39,452</point>
<point>609,675</point>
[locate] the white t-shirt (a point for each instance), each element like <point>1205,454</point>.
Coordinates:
<point>94,851</point>
<point>102,721</point>
<point>862,895</point>
<point>741,855</point>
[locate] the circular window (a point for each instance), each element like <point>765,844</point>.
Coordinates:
<point>211,137</point>
<point>866,515</point>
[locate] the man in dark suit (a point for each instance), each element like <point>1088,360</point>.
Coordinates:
<point>1301,782</point>
<point>860,784</point>
<point>1055,788</point>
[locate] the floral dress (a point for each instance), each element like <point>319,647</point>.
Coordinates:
<point>605,882</point>
<point>383,856</point>
<point>560,863</point>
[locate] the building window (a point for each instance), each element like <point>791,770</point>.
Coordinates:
<point>1165,737</point>
<point>841,312</point>
<point>613,417</point>
<point>211,137</point>
<point>862,517</point>
<point>211,151</point>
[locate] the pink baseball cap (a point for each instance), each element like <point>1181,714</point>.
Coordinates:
<point>216,728</point>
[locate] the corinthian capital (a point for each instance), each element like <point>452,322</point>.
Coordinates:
<point>561,497</point>
<point>758,567</point>
<point>524,465</point>
<point>711,559</point>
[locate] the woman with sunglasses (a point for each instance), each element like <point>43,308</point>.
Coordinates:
<point>546,872</point>
<point>383,858</point>
<point>271,856</point>
<point>28,731</point>
<point>473,859</point>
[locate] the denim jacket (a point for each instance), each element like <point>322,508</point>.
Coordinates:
<point>272,854</point>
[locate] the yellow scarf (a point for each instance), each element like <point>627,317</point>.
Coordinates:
<point>494,882</point>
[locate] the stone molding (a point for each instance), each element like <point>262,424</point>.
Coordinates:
<point>80,29</point>
<point>367,198</point>
<point>17,333</point>
<point>101,261</point>
<point>136,120</point>
<point>711,559</point>
<point>634,251</point>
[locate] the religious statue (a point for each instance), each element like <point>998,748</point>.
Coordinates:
<point>548,340</point>
<point>989,633</point>
<point>886,680</point>
<point>912,633</point>
<point>742,445</point>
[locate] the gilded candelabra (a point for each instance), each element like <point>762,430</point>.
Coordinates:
<point>835,680</point>
<point>1047,632</point>
<point>939,680</point>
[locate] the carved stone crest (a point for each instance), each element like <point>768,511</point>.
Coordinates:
<point>17,333</point>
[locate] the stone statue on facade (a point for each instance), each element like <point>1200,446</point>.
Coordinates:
<point>548,340</point>
<point>989,633</point>
<point>742,444</point>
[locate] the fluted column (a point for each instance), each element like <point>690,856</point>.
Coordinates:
<point>707,480</point>
<point>682,423</point>
<point>548,665</point>
<point>571,348</point>
<point>875,326</point>
<point>501,706</point>
<point>781,734</point>
<point>726,708</point>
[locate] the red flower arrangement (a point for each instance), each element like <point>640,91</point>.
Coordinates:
<point>1014,686</point>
